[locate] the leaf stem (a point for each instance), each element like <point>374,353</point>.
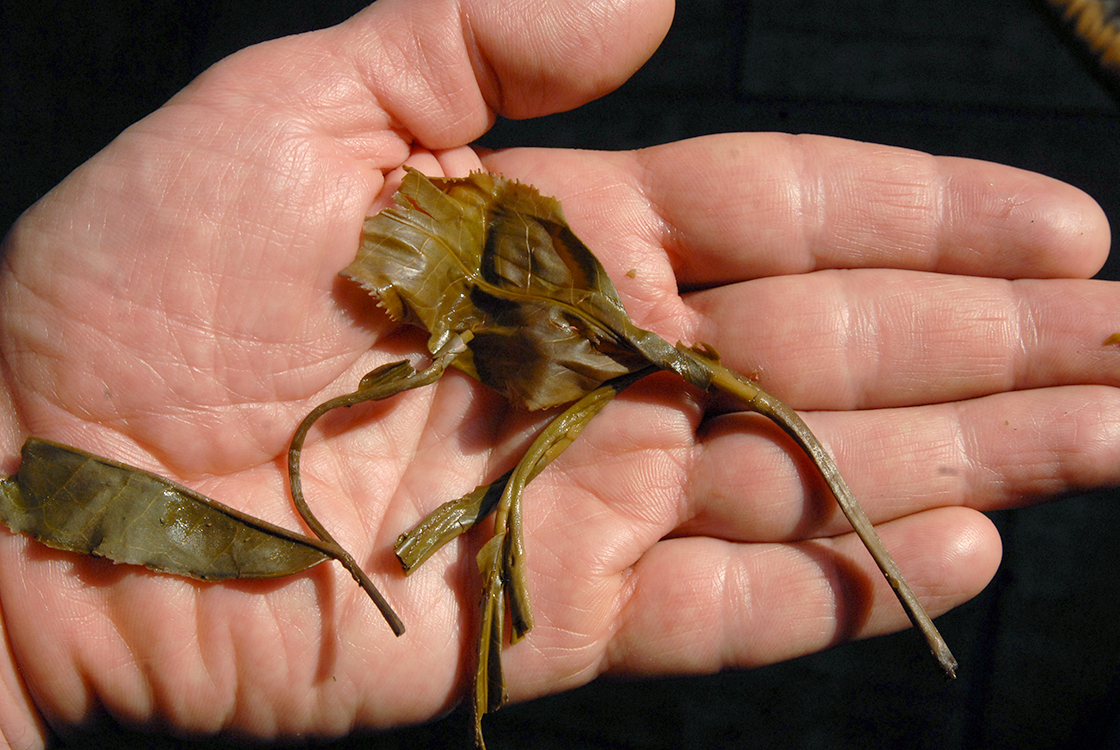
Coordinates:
<point>768,405</point>
<point>382,383</point>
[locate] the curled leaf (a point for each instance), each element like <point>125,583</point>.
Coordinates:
<point>494,257</point>
<point>72,500</point>
<point>492,264</point>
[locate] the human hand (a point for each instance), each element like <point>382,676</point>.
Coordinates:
<point>174,304</point>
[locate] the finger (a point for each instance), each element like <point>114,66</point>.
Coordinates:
<point>748,483</point>
<point>871,339</point>
<point>701,605</point>
<point>741,206</point>
<point>441,70</point>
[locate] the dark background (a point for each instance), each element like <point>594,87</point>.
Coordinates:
<point>1040,647</point>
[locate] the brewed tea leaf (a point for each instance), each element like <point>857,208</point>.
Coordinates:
<point>494,257</point>
<point>74,501</point>
<point>491,264</point>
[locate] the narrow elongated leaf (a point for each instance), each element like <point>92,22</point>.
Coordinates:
<point>74,501</point>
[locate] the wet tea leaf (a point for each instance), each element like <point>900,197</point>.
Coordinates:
<point>494,257</point>
<point>510,296</point>
<point>74,501</point>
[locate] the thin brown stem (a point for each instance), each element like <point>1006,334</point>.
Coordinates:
<point>382,383</point>
<point>766,404</point>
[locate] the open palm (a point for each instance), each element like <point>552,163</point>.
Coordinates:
<point>175,304</point>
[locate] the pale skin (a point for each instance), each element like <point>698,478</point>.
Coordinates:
<point>174,304</point>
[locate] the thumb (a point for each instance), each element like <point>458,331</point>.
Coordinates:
<point>443,69</point>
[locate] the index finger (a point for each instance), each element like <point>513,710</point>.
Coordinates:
<point>733,207</point>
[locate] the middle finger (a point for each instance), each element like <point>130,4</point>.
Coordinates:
<point>862,339</point>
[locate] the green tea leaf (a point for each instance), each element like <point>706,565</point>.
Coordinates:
<point>72,500</point>
<point>490,263</point>
<point>494,257</point>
